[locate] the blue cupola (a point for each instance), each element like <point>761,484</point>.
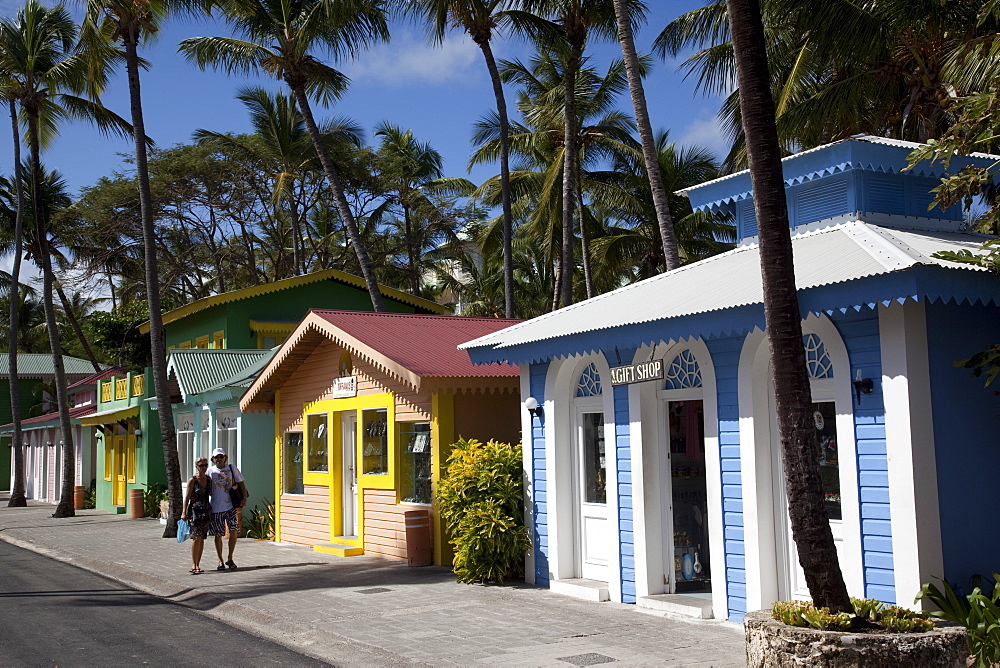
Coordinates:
<point>860,178</point>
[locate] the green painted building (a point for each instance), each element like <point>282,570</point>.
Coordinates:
<point>262,316</point>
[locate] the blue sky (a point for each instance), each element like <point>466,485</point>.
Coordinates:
<point>438,92</point>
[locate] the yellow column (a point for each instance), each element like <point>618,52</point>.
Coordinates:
<point>442,436</point>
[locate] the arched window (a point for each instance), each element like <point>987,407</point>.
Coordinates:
<point>589,384</point>
<point>817,359</point>
<point>346,366</point>
<point>683,372</point>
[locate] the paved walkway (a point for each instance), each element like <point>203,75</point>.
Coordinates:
<point>364,610</point>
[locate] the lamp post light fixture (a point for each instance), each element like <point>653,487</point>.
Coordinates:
<point>531,404</point>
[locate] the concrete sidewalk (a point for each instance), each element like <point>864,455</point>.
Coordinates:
<point>364,610</point>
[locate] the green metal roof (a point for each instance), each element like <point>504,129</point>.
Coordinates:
<point>200,370</point>
<point>38,365</point>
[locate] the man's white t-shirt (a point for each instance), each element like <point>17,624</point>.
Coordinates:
<point>222,481</point>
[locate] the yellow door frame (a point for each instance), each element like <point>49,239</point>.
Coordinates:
<point>120,482</point>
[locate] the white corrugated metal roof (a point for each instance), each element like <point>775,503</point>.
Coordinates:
<point>824,255</point>
<point>200,370</point>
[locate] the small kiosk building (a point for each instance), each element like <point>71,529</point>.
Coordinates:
<point>366,405</point>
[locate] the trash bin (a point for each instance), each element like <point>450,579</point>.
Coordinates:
<point>78,493</point>
<point>418,538</point>
<point>136,507</point>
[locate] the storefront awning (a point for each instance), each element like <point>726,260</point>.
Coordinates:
<point>109,417</point>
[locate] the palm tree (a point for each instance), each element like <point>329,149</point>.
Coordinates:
<point>411,171</point>
<point>32,337</point>
<point>45,72</point>
<point>18,496</point>
<point>130,22</point>
<point>480,19</point>
<point>280,37</point>
<point>793,398</point>
<point>576,21</point>
<point>539,147</point>
<point>841,68</point>
<point>626,13</point>
<point>631,248</point>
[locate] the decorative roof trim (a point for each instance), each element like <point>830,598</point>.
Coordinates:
<point>107,417</point>
<point>287,283</point>
<point>269,328</point>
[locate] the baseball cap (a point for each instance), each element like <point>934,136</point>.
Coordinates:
<point>217,452</point>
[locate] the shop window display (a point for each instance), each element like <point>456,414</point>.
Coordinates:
<point>415,461</point>
<point>316,450</point>
<point>692,570</point>
<point>292,459</point>
<point>375,446</point>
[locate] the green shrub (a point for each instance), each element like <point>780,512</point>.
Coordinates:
<point>151,498</point>
<point>889,617</point>
<point>260,524</point>
<point>90,495</point>
<point>481,498</point>
<point>979,612</point>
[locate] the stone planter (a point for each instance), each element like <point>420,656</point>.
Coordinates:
<point>772,643</point>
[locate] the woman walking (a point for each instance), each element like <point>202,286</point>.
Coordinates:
<point>198,512</point>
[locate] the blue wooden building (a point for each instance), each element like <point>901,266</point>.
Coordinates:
<point>652,461</point>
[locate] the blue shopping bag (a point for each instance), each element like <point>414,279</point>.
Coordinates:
<point>183,530</point>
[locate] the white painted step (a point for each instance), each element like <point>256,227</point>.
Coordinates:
<point>589,590</point>
<point>677,604</point>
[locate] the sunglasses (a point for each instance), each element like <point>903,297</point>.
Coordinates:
<point>203,466</point>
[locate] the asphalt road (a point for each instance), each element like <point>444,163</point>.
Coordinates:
<point>53,614</point>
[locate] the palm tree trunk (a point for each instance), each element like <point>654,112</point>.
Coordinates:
<point>569,171</point>
<point>168,436</point>
<point>18,498</point>
<point>411,260</point>
<point>588,279</point>
<point>75,324</point>
<point>656,185</point>
<point>293,208</point>
<point>44,259</point>
<point>793,398</point>
<point>343,208</point>
<point>508,217</point>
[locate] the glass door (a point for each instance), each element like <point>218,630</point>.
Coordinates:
<point>349,473</point>
<point>120,472</point>
<point>692,573</point>
<point>592,498</point>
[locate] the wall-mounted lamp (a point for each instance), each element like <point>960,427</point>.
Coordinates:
<point>532,405</point>
<point>138,432</point>
<point>862,386</point>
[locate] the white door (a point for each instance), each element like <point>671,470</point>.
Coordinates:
<point>791,579</point>
<point>349,424</point>
<point>593,535</point>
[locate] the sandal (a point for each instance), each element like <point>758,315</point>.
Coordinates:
<point>193,571</point>
<point>220,567</point>
<point>197,571</point>
<point>231,565</point>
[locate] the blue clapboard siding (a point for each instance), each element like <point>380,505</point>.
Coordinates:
<point>859,330</point>
<point>623,460</point>
<point>966,440</point>
<point>726,356</point>
<point>539,496</point>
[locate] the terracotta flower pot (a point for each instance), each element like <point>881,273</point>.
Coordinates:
<point>772,643</point>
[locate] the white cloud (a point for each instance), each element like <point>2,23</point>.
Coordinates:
<point>410,59</point>
<point>704,130</point>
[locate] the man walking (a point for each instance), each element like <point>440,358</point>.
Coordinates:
<point>226,478</point>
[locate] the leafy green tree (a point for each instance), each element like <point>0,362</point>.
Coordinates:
<point>280,37</point>
<point>792,395</point>
<point>117,335</point>
<point>45,72</point>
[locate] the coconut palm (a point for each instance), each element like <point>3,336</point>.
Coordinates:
<point>793,398</point>
<point>632,249</point>
<point>538,145</point>
<point>410,171</point>
<point>281,143</point>
<point>129,22</point>
<point>626,13</point>
<point>279,39</point>
<point>840,68</point>
<point>45,72</point>
<point>480,19</point>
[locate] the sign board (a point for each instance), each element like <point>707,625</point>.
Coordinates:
<point>637,373</point>
<point>345,387</point>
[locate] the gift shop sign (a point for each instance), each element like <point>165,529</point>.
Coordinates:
<point>345,387</point>
<point>637,373</point>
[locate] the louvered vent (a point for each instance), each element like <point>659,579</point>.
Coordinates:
<point>747,219</point>
<point>819,200</point>
<point>885,194</point>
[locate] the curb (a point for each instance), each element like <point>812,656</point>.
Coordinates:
<point>315,643</point>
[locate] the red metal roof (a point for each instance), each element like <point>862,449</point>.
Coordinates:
<point>76,412</point>
<point>100,375</point>
<point>427,345</point>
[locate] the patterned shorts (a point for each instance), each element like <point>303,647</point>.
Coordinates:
<point>221,520</point>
